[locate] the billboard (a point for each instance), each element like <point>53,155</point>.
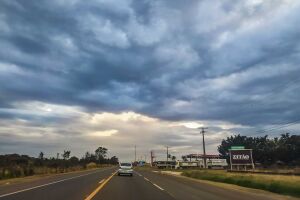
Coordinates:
<point>241,157</point>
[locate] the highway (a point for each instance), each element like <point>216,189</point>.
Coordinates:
<point>103,184</point>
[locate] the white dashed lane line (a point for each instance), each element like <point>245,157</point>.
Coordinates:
<point>158,186</point>
<point>138,173</point>
<point>146,179</point>
<point>101,181</point>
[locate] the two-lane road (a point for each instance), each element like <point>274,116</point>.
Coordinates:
<point>102,184</point>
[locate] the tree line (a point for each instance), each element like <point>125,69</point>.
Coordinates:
<point>283,150</point>
<point>15,165</point>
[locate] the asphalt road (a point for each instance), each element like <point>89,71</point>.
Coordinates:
<point>103,184</point>
<point>71,186</point>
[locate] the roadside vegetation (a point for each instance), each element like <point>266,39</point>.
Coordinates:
<point>273,157</point>
<point>15,165</point>
<point>281,184</point>
<point>267,152</point>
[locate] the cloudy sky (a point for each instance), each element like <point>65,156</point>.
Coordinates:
<point>118,73</point>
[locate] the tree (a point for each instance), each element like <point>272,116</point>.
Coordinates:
<point>265,150</point>
<point>66,154</point>
<point>100,153</point>
<point>184,158</point>
<point>288,148</point>
<point>41,156</point>
<point>74,160</point>
<point>114,160</point>
<point>173,158</point>
<point>87,155</point>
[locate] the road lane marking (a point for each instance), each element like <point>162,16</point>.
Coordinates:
<point>100,187</point>
<point>101,181</point>
<point>146,179</point>
<point>138,173</point>
<point>51,183</point>
<point>157,186</point>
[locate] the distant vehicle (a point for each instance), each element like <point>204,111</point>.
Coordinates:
<point>217,163</point>
<point>141,163</point>
<point>211,164</point>
<point>165,164</point>
<point>186,164</point>
<point>125,169</point>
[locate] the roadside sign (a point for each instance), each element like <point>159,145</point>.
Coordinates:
<point>241,157</point>
<point>237,147</point>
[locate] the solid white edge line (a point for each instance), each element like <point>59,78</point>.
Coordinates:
<point>51,183</point>
<point>146,179</point>
<point>157,186</point>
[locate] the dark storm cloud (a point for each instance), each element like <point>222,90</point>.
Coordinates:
<point>29,45</point>
<point>166,59</point>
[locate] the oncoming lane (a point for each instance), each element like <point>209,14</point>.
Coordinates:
<point>69,186</point>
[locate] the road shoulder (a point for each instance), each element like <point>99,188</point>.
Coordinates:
<point>245,190</point>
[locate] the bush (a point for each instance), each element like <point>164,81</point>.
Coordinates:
<point>91,165</point>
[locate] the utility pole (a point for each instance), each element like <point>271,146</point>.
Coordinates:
<point>167,157</point>
<point>203,142</point>
<point>135,153</point>
<point>152,156</point>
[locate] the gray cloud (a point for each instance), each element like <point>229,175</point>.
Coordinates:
<point>231,61</point>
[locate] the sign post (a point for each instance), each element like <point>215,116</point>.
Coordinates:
<point>239,156</point>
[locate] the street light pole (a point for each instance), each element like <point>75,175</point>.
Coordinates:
<point>203,142</point>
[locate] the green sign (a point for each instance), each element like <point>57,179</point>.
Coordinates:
<point>237,147</point>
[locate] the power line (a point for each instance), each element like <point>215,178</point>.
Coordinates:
<point>282,125</point>
<point>271,93</point>
<point>279,126</point>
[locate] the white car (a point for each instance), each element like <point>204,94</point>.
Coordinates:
<point>125,168</point>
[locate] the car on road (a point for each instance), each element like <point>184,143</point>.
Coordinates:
<point>125,169</point>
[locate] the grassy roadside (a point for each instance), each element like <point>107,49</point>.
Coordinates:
<point>281,184</point>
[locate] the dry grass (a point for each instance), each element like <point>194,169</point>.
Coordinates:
<point>282,184</point>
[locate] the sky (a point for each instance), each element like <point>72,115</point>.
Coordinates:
<point>77,75</point>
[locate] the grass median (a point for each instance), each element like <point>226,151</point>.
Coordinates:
<point>281,184</point>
